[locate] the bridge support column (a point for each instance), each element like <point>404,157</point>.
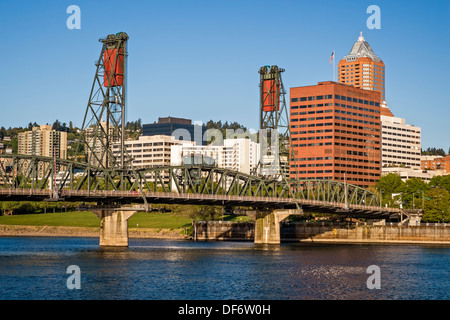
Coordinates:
<point>267,225</point>
<point>114,227</point>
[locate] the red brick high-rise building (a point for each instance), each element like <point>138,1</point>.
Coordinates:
<point>335,132</point>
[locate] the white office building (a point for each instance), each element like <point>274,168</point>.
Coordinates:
<point>150,151</point>
<point>235,154</point>
<point>401,143</point>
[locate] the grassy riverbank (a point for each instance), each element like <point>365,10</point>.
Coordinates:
<point>89,219</point>
<point>87,224</point>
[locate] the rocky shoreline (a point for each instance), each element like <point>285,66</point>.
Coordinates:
<point>62,231</point>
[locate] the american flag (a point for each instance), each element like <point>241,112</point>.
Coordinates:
<point>332,57</point>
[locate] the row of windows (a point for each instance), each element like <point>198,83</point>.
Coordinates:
<point>401,129</point>
<point>340,171</point>
<point>311,112</point>
<point>357,140</point>
<point>403,147</point>
<point>358,133</point>
<point>357,114</point>
<point>344,98</point>
<point>313,165</point>
<point>392,163</point>
<point>400,141</point>
<point>305,106</point>
<point>400,157</point>
<point>356,127</point>
<point>335,158</point>
<point>148,161</point>
<point>356,120</point>
<point>355,160</point>
<point>139,145</point>
<point>342,138</point>
<point>355,146</point>
<point>147,150</point>
<point>356,167</point>
<point>399,135</point>
<point>337,118</point>
<point>315,171</point>
<point>361,101</point>
<point>337,111</point>
<point>311,119</point>
<point>365,65</point>
<point>312,98</point>
<point>318,178</point>
<point>150,155</point>
<point>312,125</point>
<point>355,108</point>
<point>312,131</point>
<point>313,159</point>
<point>312,138</point>
<point>313,144</point>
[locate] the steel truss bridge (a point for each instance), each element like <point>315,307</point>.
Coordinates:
<point>99,175</point>
<point>34,178</point>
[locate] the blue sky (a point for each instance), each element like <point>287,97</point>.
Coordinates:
<point>200,59</point>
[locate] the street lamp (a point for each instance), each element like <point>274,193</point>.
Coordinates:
<point>381,199</point>
<point>401,198</point>
<point>418,191</point>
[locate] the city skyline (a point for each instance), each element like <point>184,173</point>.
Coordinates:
<point>200,60</point>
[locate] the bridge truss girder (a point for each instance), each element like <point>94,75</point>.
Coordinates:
<point>32,172</point>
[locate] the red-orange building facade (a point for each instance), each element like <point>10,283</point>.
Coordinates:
<point>335,133</point>
<point>438,163</point>
<point>362,68</point>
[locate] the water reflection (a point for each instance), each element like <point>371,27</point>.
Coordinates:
<point>33,268</point>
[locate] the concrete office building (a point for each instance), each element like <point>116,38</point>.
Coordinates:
<point>181,129</point>
<point>235,154</point>
<point>401,143</point>
<point>43,141</point>
<point>96,139</point>
<point>150,151</point>
<point>408,173</point>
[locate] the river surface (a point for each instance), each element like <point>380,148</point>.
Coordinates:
<point>152,269</point>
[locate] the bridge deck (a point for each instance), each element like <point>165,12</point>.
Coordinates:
<point>126,197</point>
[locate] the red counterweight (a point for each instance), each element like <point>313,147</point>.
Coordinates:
<point>113,67</point>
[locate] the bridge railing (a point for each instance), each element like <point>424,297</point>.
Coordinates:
<point>117,195</point>
<point>25,192</point>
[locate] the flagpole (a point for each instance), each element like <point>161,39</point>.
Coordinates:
<point>334,66</point>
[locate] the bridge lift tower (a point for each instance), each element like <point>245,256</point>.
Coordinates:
<point>103,133</point>
<point>274,125</point>
<point>276,152</point>
<point>103,126</point>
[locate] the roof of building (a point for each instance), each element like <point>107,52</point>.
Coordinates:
<point>360,49</point>
<point>174,120</point>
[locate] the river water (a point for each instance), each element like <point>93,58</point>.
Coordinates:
<point>153,269</point>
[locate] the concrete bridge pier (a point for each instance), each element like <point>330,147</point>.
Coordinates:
<point>114,226</point>
<point>267,225</point>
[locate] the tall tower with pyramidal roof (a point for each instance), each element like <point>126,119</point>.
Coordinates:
<point>363,69</point>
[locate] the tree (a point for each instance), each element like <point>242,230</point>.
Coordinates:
<point>412,192</point>
<point>441,182</point>
<point>437,205</point>
<point>204,213</point>
<point>389,184</point>
<point>434,151</point>
<point>57,125</point>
